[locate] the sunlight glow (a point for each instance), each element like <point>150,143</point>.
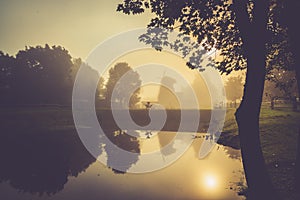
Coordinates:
<point>210,181</point>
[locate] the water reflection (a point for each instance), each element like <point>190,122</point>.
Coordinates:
<point>126,142</point>
<point>187,178</point>
<point>56,163</point>
<point>41,162</point>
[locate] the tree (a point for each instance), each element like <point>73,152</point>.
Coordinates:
<point>121,88</point>
<point>272,93</point>
<point>101,88</point>
<point>42,75</point>
<point>234,88</point>
<point>281,84</point>
<point>88,83</point>
<point>240,29</point>
<point>286,14</point>
<point>7,64</point>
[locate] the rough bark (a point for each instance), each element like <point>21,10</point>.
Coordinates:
<point>247,116</point>
<point>254,37</point>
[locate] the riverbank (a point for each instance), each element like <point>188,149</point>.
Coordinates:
<point>279,132</point>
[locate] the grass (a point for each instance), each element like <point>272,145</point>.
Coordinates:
<point>278,134</point>
<point>229,136</point>
<point>36,118</point>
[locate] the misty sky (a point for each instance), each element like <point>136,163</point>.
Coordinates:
<point>77,25</point>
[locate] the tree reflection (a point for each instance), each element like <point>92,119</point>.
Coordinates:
<point>41,162</point>
<point>39,159</point>
<point>164,140</point>
<point>120,139</point>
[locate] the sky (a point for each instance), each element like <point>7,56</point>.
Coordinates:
<point>77,25</point>
<point>80,26</point>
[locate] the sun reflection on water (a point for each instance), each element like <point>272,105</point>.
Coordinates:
<point>210,182</point>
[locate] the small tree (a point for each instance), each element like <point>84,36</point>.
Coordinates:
<point>121,89</point>
<point>281,84</point>
<point>234,89</point>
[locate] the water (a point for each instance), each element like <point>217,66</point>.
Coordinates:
<point>57,166</point>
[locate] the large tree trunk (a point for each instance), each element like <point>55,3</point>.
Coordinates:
<point>247,116</point>
<point>254,37</point>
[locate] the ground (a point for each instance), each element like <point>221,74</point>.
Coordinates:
<point>278,134</point>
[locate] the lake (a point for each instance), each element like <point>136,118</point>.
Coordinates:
<point>55,165</point>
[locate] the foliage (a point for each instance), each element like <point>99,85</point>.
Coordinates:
<point>234,88</point>
<point>246,34</point>
<point>46,75</point>
<point>212,25</point>
<point>40,75</point>
<point>7,64</point>
<point>122,87</point>
<point>45,72</point>
<point>281,84</point>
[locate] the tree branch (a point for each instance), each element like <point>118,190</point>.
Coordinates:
<point>242,18</point>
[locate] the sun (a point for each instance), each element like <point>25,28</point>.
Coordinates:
<point>210,181</point>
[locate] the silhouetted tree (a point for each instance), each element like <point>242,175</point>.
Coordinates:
<point>122,88</point>
<point>101,88</point>
<point>42,75</point>
<point>240,29</point>
<point>7,64</point>
<point>234,88</point>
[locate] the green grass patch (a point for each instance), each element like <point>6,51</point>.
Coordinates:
<point>278,134</point>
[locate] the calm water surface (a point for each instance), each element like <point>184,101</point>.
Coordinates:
<point>31,171</point>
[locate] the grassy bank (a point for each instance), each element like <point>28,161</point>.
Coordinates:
<point>279,132</point>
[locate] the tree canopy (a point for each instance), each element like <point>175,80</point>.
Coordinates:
<point>234,88</point>
<point>248,35</point>
<point>213,25</point>
<point>281,83</point>
<point>40,75</point>
<point>122,87</point>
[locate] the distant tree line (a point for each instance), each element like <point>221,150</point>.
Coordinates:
<point>279,84</point>
<point>234,90</point>
<point>45,75</point>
